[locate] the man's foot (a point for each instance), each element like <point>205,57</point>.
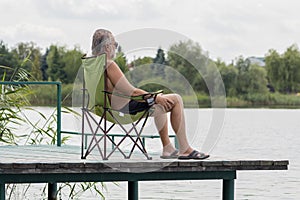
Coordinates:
<point>196,155</point>
<point>172,155</point>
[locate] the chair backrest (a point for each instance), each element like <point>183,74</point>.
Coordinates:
<point>94,78</point>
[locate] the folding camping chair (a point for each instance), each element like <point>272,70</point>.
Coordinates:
<point>96,101</point>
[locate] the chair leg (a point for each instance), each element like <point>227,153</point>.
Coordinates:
<point>101,126</point>
<point>141,147</point>
<point>138,139</point>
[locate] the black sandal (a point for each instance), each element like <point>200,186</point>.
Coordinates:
<point>196,155</point>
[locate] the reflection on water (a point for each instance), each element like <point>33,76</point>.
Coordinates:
<point>246,134</point>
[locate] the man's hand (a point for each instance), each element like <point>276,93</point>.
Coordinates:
<point>165,102</point>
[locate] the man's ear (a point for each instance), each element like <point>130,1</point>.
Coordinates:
<point>107,47</point>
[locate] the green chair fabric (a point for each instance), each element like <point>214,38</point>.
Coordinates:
<point>94,77</point>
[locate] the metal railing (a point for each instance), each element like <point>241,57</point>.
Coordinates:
<point>58,107</point>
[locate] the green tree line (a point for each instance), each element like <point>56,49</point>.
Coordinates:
<point>246,83</point>
<point>281,72</point>
<point>57,63</point>
<point>242,78</point>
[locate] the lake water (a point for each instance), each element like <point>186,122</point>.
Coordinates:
<point>245,134</point>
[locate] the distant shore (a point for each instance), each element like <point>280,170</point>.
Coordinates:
<point>47,97</point>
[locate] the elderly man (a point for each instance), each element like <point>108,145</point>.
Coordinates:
<point>104,42</point>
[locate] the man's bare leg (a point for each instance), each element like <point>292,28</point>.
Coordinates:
<point>178,125</point>
<point>161,122</point>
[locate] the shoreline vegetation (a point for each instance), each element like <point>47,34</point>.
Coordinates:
<point>271,81</point>
<point>46,96</point>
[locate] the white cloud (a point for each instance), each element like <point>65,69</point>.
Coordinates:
<point>226,29</point>
<point>70,9</point>
<point>95,10</point>
<point>25,32</point>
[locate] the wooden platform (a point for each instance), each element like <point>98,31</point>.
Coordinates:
<point>52,164</point>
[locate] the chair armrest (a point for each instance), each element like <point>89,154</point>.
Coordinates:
<point>142,97</point>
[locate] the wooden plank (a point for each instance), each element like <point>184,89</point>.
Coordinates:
<point>37,159</point>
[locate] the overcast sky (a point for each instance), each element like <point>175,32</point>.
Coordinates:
<point>226,29</point>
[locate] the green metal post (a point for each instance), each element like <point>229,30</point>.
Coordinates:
<point>2,191</point>
<point>228,189</point>
<point>133,190</point>
<point>52,189</point>
<point>58,114</point>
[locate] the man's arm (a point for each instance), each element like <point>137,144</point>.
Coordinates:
<point>120,82</point>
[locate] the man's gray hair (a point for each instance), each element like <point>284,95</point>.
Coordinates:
<point>101,37</point>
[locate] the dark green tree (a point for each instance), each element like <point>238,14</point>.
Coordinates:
<point>121,60</point>
<point>32,54</point>
<point>160,57</point>
<point>63,63</point>
<point>291,59</point>
<point>188,59</point>
<point>284,70</point>
<point>140,70</point>
<point>141,61</point>
<point>273,66</point>
<point>251,78</point>
<point>258,79</point>
<point>229,76</point>
<point>44,65</point>
<point>242,65</point>
<point>7,62</point>
<point>71,60</point>
<point>159,63</point>
<point>54,64</point>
